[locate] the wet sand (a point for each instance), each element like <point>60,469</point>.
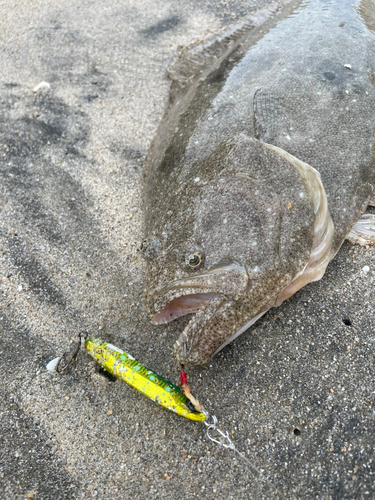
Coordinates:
<point>295,392</point>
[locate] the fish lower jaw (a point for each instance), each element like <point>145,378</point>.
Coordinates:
<point>181,306</point>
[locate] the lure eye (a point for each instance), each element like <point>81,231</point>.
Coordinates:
<point>99,351</point>
<point>143,245</point>
<point>194,260</point>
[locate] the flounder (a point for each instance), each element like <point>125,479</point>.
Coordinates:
<point>262,166</point>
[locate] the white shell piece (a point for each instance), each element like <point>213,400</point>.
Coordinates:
<point>41,85</point>
<point>52,365</point>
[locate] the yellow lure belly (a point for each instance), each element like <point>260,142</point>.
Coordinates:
<point>122,365</point>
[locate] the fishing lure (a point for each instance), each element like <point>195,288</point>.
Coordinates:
<point>122,365</point>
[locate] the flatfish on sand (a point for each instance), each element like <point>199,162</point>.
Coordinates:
<point>262,166</point>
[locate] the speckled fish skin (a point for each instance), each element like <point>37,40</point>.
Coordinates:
<point>261,167</point>
<point>122,365</point>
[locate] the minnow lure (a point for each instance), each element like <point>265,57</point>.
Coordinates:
<point>122,365</point>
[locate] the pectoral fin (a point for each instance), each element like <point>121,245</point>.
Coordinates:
<point>363,232</point>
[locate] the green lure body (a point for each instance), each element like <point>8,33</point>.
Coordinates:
<point>122,365</point>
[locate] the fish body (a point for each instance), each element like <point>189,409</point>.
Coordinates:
<point>124,366</point>
<point>261,166</point>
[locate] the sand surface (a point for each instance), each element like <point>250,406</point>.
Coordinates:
<point>296,392</point>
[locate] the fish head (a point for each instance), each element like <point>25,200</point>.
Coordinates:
<point>223,241</point>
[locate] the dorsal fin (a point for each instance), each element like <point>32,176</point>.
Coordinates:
<point>198,59</point>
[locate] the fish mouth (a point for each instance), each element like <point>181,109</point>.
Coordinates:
<point>187,339</point>
<point>194,293</point>
<point>182,305</point>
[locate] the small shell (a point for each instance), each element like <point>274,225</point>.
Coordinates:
<point>52,365</point>
<point>41,85</point>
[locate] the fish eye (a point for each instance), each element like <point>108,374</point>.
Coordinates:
<point>194,260</point>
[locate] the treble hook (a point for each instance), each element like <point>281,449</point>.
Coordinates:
<point>226,442</point>
<point>224,439</point>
